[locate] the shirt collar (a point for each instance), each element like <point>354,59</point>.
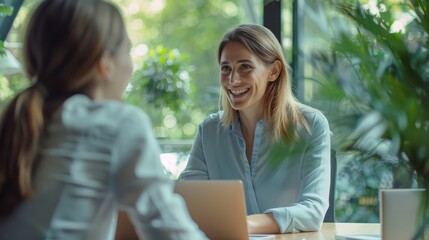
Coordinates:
<point>236,127</point>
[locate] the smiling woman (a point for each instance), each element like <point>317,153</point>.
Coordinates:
<point>244,77</point>
<point>259,111</point>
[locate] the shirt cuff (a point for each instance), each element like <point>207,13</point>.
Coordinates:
<point>284,219</point>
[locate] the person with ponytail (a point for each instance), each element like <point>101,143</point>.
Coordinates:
<point>262,135</point>
<point>72,154</point>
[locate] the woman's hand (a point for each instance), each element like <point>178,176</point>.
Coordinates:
<point>262,223</point>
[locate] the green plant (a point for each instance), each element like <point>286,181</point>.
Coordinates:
<point>161,86</point>
<point>381,72</point>
<point>162,80</point>
<point>10,86</point>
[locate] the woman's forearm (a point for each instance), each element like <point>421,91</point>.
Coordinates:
<point>262,223</point>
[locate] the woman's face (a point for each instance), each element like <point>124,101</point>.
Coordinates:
<point>121,70</point>
<point>244,77</point>
<point>117,69</point>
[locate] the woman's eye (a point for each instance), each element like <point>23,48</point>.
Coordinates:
<point>245,67</point>
<point>225,70</point>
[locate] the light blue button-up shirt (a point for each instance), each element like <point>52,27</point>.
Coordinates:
<point>95,159</point>
<point>295,188</point>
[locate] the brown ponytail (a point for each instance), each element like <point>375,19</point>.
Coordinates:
<point>20,128</point>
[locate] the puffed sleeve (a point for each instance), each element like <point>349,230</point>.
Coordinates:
<point>196,167</point>
<point>142,189</point>
<point>308,213</point>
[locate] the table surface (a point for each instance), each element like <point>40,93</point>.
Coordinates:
<point>329,230</point>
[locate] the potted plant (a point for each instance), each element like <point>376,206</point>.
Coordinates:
<point>382,73</point>
<point>162,80</point>
<point>161,86</point>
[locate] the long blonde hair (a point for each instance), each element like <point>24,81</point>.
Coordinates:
<point>63,43</point>
<point>280,105</point>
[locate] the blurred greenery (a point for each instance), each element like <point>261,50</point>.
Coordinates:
<point>194,27</point>
<point>9,86</point>
<point>2,48</point>
<point>5,10</point>
<point>376,80</point>
<point>162,87</point>
<point>191,28</point>
<point>162,80</point>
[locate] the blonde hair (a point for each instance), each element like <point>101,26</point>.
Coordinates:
<point>280,106</point>
<point>63,43</point>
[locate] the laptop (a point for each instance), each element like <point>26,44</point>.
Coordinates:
<point>399,215</point>
<point>218,207</point>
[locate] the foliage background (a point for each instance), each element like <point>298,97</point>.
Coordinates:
<point>374,88</point>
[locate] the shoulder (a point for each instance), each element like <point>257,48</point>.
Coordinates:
<point>313,115</point>
<point>83,113</point>
<point>212,119</point>
<point>211,125</point>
